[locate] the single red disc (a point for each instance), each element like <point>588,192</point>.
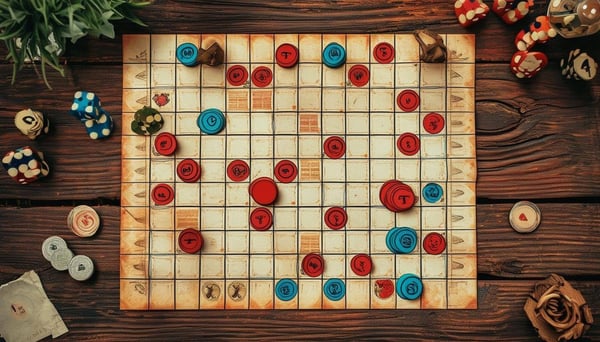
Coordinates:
<point>402,198</point>
<point>286,55</point>
<point>262,76</point>
<point>384,53</point>
<point>334,147</point>
<point>384,288</point>
<point>190,240</point>
<point>188,170</point>
<point>359,75</point>
<point>162,194</point>
<point>237,75</point>
<point>408,144</point>
<point>336,218</point>
<point>263,190</point>
<point>434,243</point>
<point>313,265</point>
<point>408,100</point>
<point>261,219</point>
<point>286,171</point>
<point>361,264</point>
<point>165,143</point>
<point>238,170</point>
<point>433,123</point>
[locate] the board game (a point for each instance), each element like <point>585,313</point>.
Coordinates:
<point>324,186</point>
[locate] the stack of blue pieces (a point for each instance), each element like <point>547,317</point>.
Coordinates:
<point>401,240</point>
<point>409,286</point>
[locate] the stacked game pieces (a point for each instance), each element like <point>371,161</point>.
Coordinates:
<point>86,107</point>
<point>55,250</point>
<point>32,123</point>
<point>146,121</point>
<point>25,165</point>
<point>83,221</point>
<point>396,196</point>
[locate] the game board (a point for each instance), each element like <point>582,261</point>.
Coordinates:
<point>391,118</point>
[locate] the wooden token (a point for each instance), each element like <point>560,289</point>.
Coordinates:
<point>384,288</point>
<point>262,76</point>
<point>261,219</point>
<point>190,240</point>
<point>433,123</point>
<point>358,75</point>
<point>263,190</point>
<point>188,170</point>
<point>384,53</point>
<point>286,171</point>
<point>361,264</point>
<point>408,144</point>
<point>408,100</point>
<point>525,217</point>
<point>286,55</point>
<point>237,75</point>
<point>313,265</point>
<point>162,194</point>
<point>336,218</point>
<point>83,221</point>
<point>434,243</point>
<point>334,147</point>
<point>81,268</point>
<point>165,144</point>
<point>238,170</point>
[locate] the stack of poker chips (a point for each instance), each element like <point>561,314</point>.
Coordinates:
<point>32,123</point>
<point>86,107</point>
<point>146,121</point>
<point>25,165</point>
<point>55,250</point>
<point>579,66</point>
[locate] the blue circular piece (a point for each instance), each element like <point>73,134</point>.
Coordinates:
<point>390,238</point>
<point>401,240</point>
<point>334,289</point>
<point>409,286</point>
<point>432,192</point>
<point>286,289</point>
<point>187,54</point>
<point>334,55</point>
<point>211,121</point>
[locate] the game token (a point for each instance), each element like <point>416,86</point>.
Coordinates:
<point>187,54</point>
<point>358,75</point>
<point>261,219</point>
<point>336,218</point>
<point>238,170</point>
<point>286,55</point>
<point>146,121</point>
<point>162,194</point>
<point>190,240</point>
<point>165,144</point>
<point>433,123</point>
<point>237,75</point>
<point>188,170</point>
<point>361,264</point>
<point>52,244</point>
<point>211,121</point>
<point>408,100</point>
<point>334,289</point>
<point>401,240</point>
<point>213,56</point>
<point>313,265</point>
<point>432,192</point>
<point>81,268</point>
<point>334,55</point>
<point>32,123</point>
<point>83,221</point>
<point>396,196</point>
<point>384,53</point>
<point>263,190</point>
<point>334,147</point>
<point>434,243</point>
<point>262,76</point>
<point>61,258</point>
<point>409,286</point>
<point>236,291</point>
<point>286,289</point>
<point>408,143</point>
<point>384,288</point>
<point>525,217</point>
<point>286,171</point>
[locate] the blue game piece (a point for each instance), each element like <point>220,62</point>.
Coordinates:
<point>334,289</point>
<point>286,289</point>
<point>334,55</point>
<point>211,121</point>
<point>86,105</point>
<point>101,128</point>
<point>432,192</point>
<point>401,240</point>
<point>187,54</point>
<point>409,286</point>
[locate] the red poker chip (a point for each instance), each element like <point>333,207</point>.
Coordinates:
<point>237,75</point>
<point>408,100</point>
<point>262,76</point>
<point>434,243</point>
<point>313,265</point>
<point>334,147</point>
<point>359,75</point>
<point>361,264</point>
<point>238,170</point>
<point>335,218</point>
<point>401,198</point>
<point>408,144</point>
<point>286,55</point>
<point>165,143</point>
<point>384,53</point>
<point>189,170</point>
<point>162,194</point>
<point>286,171</point>
<point>190,240</point>
<point>261,219</point>
<point>433,123</point>
<point>385,188</point>
<point>263,190</point>
<point>384,288</point>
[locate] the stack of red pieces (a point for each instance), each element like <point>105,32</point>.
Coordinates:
<point>396,196</point>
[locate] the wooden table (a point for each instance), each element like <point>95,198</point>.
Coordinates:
<point>537,139</point>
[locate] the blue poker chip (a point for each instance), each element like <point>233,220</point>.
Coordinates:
<point>390,238</point>
<point>286,289</point>
<point>409,286</point>
<point>211,121</point>
<point>334,289</point>
<point>334,55</point>
<point>405,240</point>
<point>187,54</point>
<point>432,192</point>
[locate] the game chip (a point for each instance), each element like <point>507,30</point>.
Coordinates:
<point>334,147</point>
<point>190,240</point>
<point>165,144</point>
<point>432,192</point>
<point>433,123</point>
<point>51,245</point>
<point>358,75</point>
<point>83,221</point>
<point>189,170</point>
<point>187,54</point>
<point>401,240</point>
<point>81,268</point>
<point>262,76</point>
<point>334,55</point>
<point>237,291</point>
<point>361,264</point>
<point>162,194</point>
<point>286,289</point>
<point>336,218</point>
<point>286,55</point>
<point>384,53</point>
<point>334,289</point>
<point>32,123</point>
<point>408,100</point>
<point>286,171</point>
<point>396,196</point>
<point>237,75</point>
<point>261,219</point>
<point>525,217</point>
<point>263,190</point>
<point>408,144</point>
<point>434,243</point>
<point>238,170</point>
<point>384,288</point>
<point>313,265</point>
<point>61,258</point>
<point>409,286</point>
<point>211,121</point>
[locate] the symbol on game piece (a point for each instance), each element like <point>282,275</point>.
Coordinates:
<point>361,264</point>
<point>237,75</point>
<point>261,219</point>
<point>384,53</point>
<point>187,54</point>
<point>162,194</point>
<point>286,171</point>
<point>433,123</point>
<point>408,100</point>
<point>161,99</point>
<point>313,265</point>
<point>432,192</point>
<point>211,291</point>
<point>334,289</point>
<point>434,243</point>
<point>336,218</point>
<point>286,289</point>
<point>263,190</point>
<point>334,55</point>
<point>408,144</point>
<point>165,144</point>
<point>190,240</point>
<point>286,55</point>
<point>188,170</point>
<point>211,121</point>
<point>238,170</point>
<point>334,147</point>
<point>384,288</point>
<point>409,286</point>
<point>236,291</point>
<point>358,75</point>
<point>262,76</point>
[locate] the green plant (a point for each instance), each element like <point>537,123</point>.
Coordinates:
<point>39,29</point>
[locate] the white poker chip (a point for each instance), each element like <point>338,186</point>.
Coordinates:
<point>525,217</point>
<point>61,258</point>
<point>83,221</point>
<point>51,245</point>
<point>81,268</point>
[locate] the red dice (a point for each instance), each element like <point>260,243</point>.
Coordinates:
<point>525,64</point>
<point>469,12</point>
<point>540,31</point>
<point>511,11</point>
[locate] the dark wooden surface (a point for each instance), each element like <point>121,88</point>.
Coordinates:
<point>537,139</point>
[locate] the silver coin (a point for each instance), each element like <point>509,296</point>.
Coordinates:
<point>61,258</point>
<point>51,245</point>
<point>81,268</point>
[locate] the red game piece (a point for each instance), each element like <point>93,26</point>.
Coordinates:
<point>336,218</point>
<point>286,171</point>
<point>238,170</point>
<point>408,144</point>
<point>361,264</point>
<point>396,196</point>
<point>262,76</point>
<point>359,75</point>
<point>286,55</point>
<point>237,75</point>
<point>526,64</point>
<point>188,170</point>
<point>434,243</point>
<point>433,123</point>
<point>469,12</point>
<point>384,53</point>
<point>165,143</point>
<point>334,147</point>
<point>162,194</point>
<point>263,190</point>
<point>261,219</point>
<point>408,100</point>
<point>313,265</point>
<point>190,240</point>
<point>384,288</point>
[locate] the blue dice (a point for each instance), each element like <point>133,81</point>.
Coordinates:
<point>87,108</point>
<point>25,164</point>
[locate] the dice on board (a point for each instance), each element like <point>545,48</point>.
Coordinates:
<point>540,31</point>
<point>511,11</point>
<point>101,128</point>
<point>526,64</point>
<point>146,121</point>
<point>86,105</point>
<point>32,123</point>
<point>25,165</point>
<point>469,12</point>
